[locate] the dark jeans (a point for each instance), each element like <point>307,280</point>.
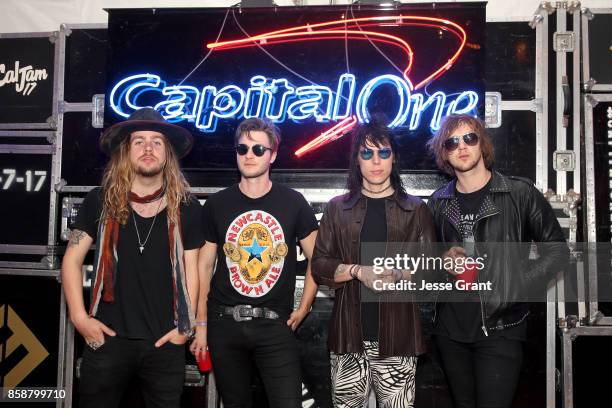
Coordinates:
<point>482,374</point>
<point>270,343</point>
<point>106,372</point>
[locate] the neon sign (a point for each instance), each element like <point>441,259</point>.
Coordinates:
<point>278,101</point>
<point>343,103</point>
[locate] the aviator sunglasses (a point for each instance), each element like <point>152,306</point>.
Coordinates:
<point>367,154</point>
<point>452,143</point>
<point>258,150</point>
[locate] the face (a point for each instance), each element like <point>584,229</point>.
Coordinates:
<point>376,170</point>
<point>465,157</point>
<point>249,164</point>
<point>147,152</point>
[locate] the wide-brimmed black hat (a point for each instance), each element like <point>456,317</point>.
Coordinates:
<point>147,119</point>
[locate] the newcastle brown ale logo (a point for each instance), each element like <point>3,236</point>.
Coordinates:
<point>255,251</point>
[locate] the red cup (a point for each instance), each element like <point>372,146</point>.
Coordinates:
<point>204,363</point>
<point>469,273</point>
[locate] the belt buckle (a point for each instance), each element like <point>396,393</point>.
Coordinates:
<point>270,314</point>
<point>236,313</point>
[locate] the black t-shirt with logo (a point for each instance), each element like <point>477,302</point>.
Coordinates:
<point>143,306</point>
<point>460,319</point>
<point>256,245</point>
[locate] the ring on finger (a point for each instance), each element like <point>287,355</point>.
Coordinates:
<point>94,345</point>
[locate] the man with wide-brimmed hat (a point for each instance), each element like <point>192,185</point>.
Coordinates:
<point>144,288</point>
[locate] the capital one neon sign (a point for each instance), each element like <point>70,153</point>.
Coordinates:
<point>344,102</point>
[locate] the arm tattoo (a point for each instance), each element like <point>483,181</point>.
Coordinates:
<point>75,237</point>
<point>341,269</point>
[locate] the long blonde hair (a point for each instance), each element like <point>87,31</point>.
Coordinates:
<point>118,177</point>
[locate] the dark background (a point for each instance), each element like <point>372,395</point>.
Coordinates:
<point>19,292</point>
<point>25,215</point>
<point>600,57</point>
<point>38,105</point>
<point>507,64</point>
<point>170,43</point>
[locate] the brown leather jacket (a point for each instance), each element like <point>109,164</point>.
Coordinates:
<point>338,242</point>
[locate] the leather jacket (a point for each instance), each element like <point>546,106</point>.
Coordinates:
<point>338,242</point>
<point>513,211</point>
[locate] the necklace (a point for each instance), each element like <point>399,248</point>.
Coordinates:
<point>377,192</point>
<point>141,245</point>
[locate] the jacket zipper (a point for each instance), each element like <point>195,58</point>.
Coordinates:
<point>482,307</point>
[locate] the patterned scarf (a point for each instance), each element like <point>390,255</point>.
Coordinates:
<point>105,264</point>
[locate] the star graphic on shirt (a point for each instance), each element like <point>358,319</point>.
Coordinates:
<point>255,250</point>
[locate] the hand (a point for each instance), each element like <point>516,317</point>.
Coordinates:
<point>296,318</point>
<point>173,336</point>
<point>198,344</point>
<point>401,274</point>
<point>373,280</point>
<point>453,253</point>
<point>92,329</point>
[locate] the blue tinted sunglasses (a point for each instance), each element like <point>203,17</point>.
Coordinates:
<point>367,154</point>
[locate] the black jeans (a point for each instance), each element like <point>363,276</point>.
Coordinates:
<point>106,372</point>
<point>270,343</point>
<point>482,374</point>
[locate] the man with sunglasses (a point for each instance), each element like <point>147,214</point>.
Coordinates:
<point>374,338</point>
<point>246,307</point>
<point>478,213</point>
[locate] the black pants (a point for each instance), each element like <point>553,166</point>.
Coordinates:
<point>270,343</point>
<point>106,372</point>
<point>483,374</point>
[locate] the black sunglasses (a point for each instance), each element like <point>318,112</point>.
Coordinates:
<point>452,143</point>
<point>367,154</point>
<point>258,150</point>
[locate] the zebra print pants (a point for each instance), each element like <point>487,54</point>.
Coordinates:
<point>352,375</point>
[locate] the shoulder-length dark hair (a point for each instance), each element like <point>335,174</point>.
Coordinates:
<point>378,135</point>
